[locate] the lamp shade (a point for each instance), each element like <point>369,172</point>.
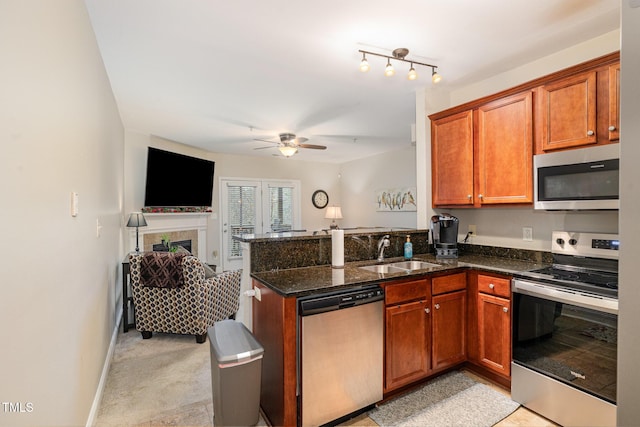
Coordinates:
<point>333,212</point>
<point>136,219</point>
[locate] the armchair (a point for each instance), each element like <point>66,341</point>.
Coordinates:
<point>172,295</point>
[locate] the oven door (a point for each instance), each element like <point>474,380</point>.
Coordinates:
<point>567,336</point>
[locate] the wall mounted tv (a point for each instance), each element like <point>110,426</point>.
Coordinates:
<point>175,180</point>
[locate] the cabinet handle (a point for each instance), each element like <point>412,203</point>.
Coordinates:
<point>491,286</point>
<point>437,306</point>
<point>426,310</point>
<point>590,133</point>
<point>612,128</point>
<point>505,309</point>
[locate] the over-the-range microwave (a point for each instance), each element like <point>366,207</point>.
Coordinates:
<point>579,179</point>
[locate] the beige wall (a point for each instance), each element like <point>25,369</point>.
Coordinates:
<point>360,179</point>
<point>59,132</point>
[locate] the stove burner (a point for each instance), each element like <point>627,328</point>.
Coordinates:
<point>597,278</point>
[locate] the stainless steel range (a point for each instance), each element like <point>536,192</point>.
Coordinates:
<point>565,321</point>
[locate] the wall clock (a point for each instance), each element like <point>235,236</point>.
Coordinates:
<point>320,199</point>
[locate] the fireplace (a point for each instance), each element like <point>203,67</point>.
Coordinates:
<point>162,247</point>
<point>178,228</point>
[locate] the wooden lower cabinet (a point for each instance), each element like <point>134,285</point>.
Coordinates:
<point>408,335</point>
<point>489,325</point>
<point>449,319</point>
<point>494,333</point>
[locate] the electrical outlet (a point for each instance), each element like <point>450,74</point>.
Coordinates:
<point>257,294</point>
<point>472,230</point>
<point>527,234</point>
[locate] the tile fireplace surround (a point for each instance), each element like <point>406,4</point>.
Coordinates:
<point>179,226</point>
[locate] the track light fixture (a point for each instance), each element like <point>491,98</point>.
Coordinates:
<point>398,55</point>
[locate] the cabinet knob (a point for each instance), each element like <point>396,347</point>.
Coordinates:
<point>437,306</point>
<point>590,133</point>
<point>491,286</point>
<point>505,309</point>
<point>469,196</point>
<point>612,128</point>
<point>426,310</point>
<point>480,196</point>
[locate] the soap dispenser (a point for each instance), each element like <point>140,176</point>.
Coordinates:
<point>408,248</point>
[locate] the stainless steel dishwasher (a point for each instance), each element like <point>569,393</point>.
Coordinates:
<point>341,353</point>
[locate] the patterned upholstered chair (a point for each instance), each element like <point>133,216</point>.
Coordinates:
<point>172,295</point>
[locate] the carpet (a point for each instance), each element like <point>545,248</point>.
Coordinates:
<point>450,400</point>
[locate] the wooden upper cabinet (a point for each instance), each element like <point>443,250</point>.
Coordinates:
<point>614,102</point>
<point>568,112</point>
<point>452,159</point>
<point>505,150</point>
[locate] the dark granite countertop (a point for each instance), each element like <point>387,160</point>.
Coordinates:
<point>296,282</point>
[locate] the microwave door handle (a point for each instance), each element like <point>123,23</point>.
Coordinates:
<point>564,296</point>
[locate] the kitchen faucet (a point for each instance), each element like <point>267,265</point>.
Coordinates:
<point>382,243</point>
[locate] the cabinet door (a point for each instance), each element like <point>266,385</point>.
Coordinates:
<point>407,343</point>
<point>494,335</point>
<point>449,319</point>
<point>505,150</point>
<point>452,159</point>
<point>568,112</point>
<point>614,102</point>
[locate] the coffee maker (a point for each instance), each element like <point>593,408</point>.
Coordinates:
<point>444,232</point>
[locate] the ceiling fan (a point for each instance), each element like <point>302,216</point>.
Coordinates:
<point>289,144</point>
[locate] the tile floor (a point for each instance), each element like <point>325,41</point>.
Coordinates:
<point>166,381</point>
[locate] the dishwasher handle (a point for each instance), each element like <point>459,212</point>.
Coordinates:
<point>316,304</point>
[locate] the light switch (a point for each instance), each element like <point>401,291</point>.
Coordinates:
<point>74,204</point>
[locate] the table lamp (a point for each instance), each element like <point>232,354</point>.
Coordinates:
<point>136,219</point>
<point>333,212</point>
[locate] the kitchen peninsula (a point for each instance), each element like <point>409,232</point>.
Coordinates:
<point>286,267</point>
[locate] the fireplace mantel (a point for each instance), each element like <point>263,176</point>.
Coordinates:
<point>168,222</point>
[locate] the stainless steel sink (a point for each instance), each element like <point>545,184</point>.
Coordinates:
<point>397,267</point>
<point>382,268</point>
<point>412,265</point>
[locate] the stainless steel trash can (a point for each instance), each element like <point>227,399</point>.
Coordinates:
<point>236,367</point>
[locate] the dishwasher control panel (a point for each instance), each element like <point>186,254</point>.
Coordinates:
<point>315,304</point>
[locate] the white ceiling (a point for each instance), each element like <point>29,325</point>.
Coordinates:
<point>217,74</point>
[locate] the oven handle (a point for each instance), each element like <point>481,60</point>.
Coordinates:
<point>539,290</point>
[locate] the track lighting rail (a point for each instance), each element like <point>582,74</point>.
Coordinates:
<point>398,55</point>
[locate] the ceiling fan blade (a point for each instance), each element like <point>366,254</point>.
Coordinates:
<point>312,146</point>
<point>266,140</point>
<point>262,148</point>
<point>301,140</point>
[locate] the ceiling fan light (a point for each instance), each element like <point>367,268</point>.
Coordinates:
<point>435,77</point>
<point>389,71</point>
<point>288,150</point>
<point>412,73</point>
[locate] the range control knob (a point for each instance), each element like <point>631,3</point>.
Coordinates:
<point>560,241</point>
<point>573,242</point>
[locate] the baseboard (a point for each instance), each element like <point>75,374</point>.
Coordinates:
<point>95,407</point>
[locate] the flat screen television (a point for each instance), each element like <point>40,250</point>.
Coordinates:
<point>176,180</point>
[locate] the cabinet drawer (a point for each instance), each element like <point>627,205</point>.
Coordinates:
<point>494,285</point>
<point>453,282</point>
<point>407,291</point>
